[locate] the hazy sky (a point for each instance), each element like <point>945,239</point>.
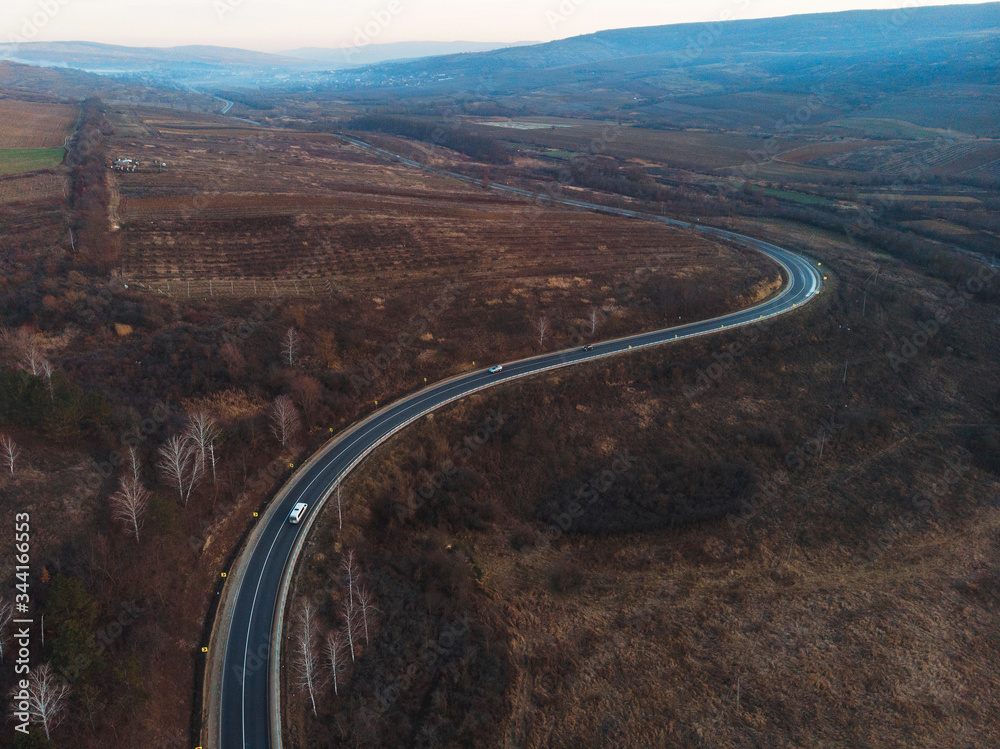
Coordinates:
<point>274,25</point>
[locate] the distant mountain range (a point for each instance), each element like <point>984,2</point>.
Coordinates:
<point>920,64</point>
<point>812,37</point>
<point>91,56</point>
<point>109,58</point>
<point>376,53</point>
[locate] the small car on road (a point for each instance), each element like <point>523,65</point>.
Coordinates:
<point>497,368</point>
<point>589,347</point>
<point>297,512</point>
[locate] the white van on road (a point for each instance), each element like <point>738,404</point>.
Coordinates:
<point>297,512</point>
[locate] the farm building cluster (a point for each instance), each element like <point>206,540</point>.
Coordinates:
<point>124,164</point>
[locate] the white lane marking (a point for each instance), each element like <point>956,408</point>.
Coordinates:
<point>246,648</point>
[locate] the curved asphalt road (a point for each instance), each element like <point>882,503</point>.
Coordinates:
<point>248,714</point>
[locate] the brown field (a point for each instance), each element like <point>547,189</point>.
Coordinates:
<point>679,148</point>
<point>31,188</point>
<point>25,124</point>
<point>941,227</point>
<point>906,197</point>
<point>815,151</point>
<point>985,156</point>
<point>256,212</point>
<point>385,241</point>
<point>793,159</point>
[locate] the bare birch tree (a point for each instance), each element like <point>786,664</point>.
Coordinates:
<point>335,657</point>
<point>285,422</point>
<point>542,326</point>
<point>350,615</point>
<point>349,569</point>
<point>10,452</point>
<point>33,361</point>
<point>593,320</point>
<point>129,503</point>
<point>134,467</point>
<point>195,469</point>
<point>179,464</point>
<point>46,699</point>
<point>306,661</point>
<point>366,607</point>
<point>6,615</point>
<point>291,344</point>
<point>22,347</point>
<point>204,432</point>
<point>47,371</point>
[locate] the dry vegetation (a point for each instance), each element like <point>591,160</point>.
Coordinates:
<point>770,556</point>
<point>27,124</point>
<point>300,215</point>
<point>33,188</point>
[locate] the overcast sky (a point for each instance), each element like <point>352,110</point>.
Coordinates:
<point>273,25</point>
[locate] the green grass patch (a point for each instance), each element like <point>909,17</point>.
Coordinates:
<point>20,160</point>
<point>561,154</point>
<point>798,197</point>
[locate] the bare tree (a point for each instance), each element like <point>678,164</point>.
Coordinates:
<point>179,464</point>
<point>366,606</point>
<point>46,698</point>
<point>10,452</point>
<point>352,577</point>
<point>134,467</point>
<point>204,432</point>
<point>173,462</point>
<point>285,422</point>
<point>6,615</point>
<point>33,361</point>
<point>129,503</point>
<point>46,374</point>
<point>335,657</point>
<point>593,320</point>
<point>306,662</point>
<point>542,326</point>
<point>348,611</point>
<point>290,345</point>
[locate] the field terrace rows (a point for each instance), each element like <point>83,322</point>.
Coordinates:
<point>253,212</point>
<point>292,245</point>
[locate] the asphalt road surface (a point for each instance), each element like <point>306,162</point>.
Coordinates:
<point>247,714</point>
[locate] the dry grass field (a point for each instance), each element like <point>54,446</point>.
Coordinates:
<point>27,124</point>
<point>684,148</point>
<point>31,188</point>
<point>859,148</point>
<point>854,605</point>
<point>255,213</point>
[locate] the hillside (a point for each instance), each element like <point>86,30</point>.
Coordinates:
<point>108,57</point>
<point>832,34</point>
<point>373,54</point>
<point>928,58</point>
